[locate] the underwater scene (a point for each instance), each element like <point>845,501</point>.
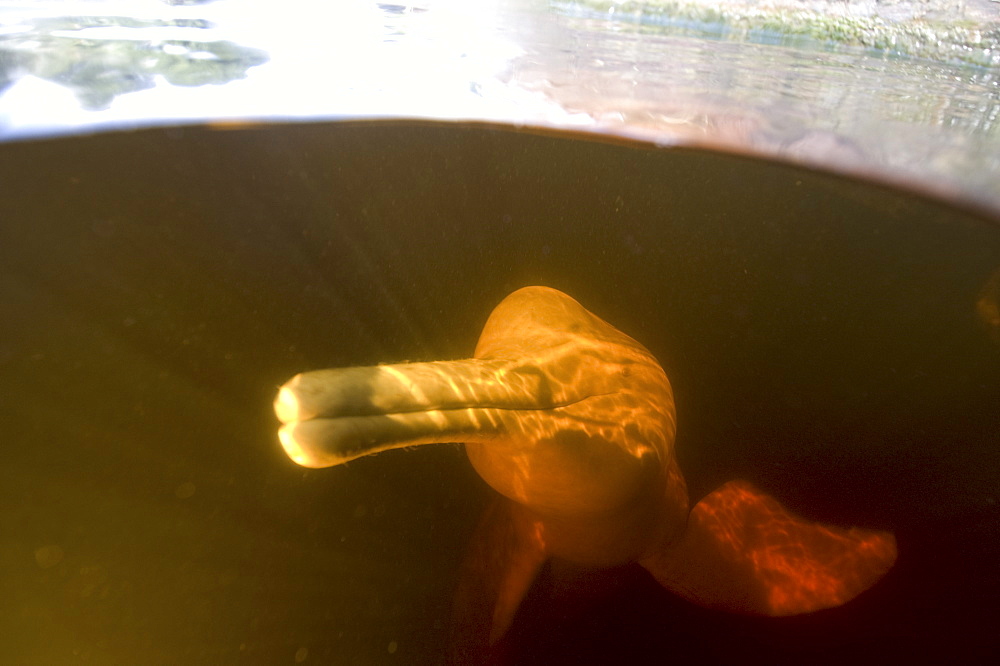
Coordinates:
<point>830,344</point>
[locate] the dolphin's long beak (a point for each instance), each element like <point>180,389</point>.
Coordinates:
<point>333,416</point>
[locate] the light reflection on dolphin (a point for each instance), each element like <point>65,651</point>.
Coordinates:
<point>573,423</point>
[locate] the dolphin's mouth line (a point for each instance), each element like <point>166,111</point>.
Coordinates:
<point>477,406</point>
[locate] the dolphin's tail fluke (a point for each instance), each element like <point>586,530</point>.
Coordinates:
<point>742,551</point>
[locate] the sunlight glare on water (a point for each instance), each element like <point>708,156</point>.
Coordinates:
<point>304,59</point>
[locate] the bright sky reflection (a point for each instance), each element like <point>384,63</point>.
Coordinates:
<point>345,59</point>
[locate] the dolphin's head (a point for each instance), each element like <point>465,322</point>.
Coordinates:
<point>600,422</point>
<point>561,412</point>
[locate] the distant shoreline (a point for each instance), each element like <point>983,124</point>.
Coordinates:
<point>966,31</point>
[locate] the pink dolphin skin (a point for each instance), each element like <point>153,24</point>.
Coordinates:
<point>573,423</point>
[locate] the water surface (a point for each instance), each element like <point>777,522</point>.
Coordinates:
<point>69,66</point>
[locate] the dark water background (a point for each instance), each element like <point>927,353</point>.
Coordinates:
<point>821,335</point>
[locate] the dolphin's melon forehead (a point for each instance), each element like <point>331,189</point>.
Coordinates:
<point>546,306</point>
<point>539,317</point>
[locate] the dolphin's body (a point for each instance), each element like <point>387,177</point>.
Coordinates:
<point>573,423</point>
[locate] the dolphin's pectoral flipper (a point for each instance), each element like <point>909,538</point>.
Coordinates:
<point>502,562</point>
<point>742,551</point>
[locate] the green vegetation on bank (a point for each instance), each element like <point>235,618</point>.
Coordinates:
<point>963,40</point>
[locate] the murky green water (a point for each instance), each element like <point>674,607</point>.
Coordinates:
<point>822,337</point>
